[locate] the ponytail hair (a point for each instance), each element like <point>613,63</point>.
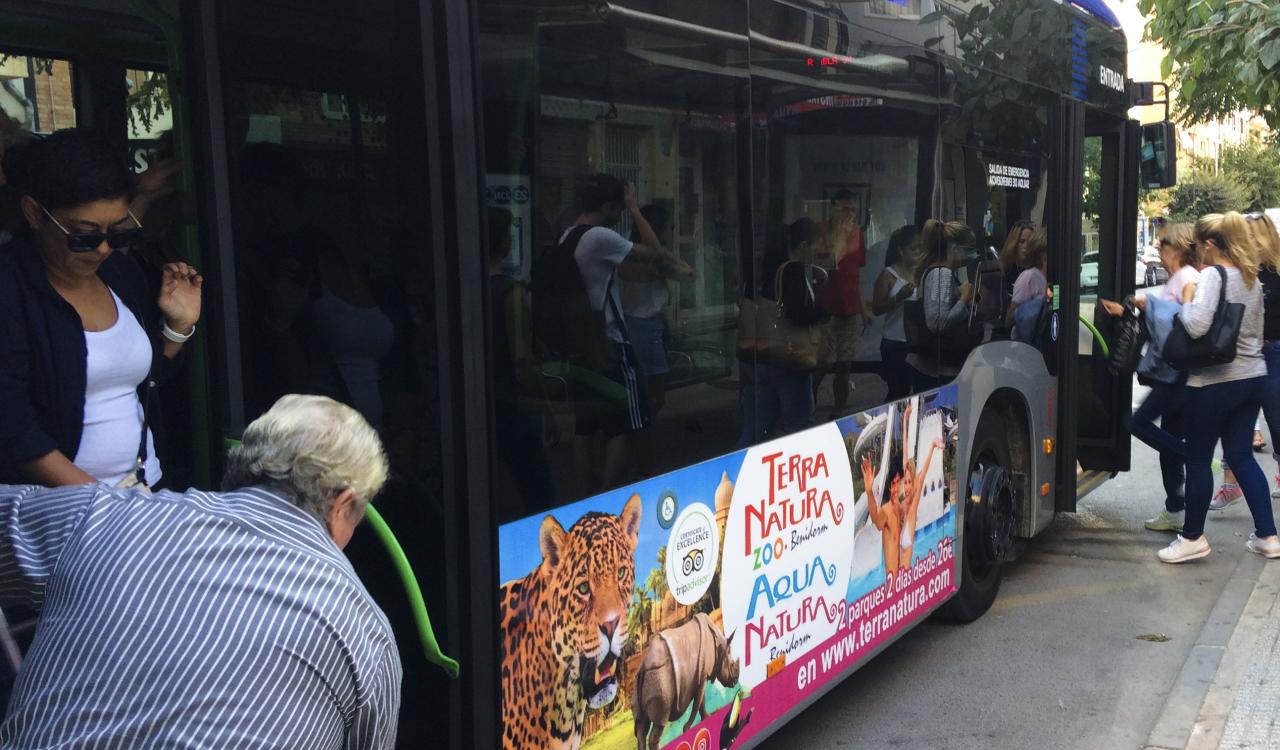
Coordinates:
<point>1230,233</point>
<point>1266,241</point>
<point>936,241</point>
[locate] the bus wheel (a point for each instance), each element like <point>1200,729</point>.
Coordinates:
<point>989,520</point>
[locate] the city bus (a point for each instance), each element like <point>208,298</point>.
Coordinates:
<point>371,189</point>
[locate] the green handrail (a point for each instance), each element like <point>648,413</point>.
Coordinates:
<point>427,634</point>
<point>1106,351</point>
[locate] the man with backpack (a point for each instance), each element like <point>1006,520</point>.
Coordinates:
<point>578,316</point>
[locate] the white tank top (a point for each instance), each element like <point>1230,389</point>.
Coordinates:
<point>118,360</point>
<point>894,328</point>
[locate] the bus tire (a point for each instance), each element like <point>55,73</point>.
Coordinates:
<point>989,507</point>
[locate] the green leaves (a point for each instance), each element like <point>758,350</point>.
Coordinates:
<point>1270,54</point>
<point>1222,55</point>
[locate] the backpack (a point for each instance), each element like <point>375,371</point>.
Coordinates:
<point>564,321</point>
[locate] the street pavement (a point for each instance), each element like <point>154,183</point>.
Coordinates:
<point>1092,643</point>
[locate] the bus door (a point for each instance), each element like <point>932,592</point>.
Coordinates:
<point>1107,269</point>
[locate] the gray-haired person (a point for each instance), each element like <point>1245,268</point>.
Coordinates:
<point>203,619</point>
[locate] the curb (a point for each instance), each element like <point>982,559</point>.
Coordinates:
<point>1195,712</point>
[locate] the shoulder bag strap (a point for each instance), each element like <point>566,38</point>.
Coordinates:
<point>140,468</point>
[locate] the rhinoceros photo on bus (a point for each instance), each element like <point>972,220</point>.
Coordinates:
<point>678,662</point>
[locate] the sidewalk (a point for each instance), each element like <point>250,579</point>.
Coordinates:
<point>1228,695</point>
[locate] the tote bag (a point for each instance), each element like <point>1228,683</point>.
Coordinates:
<point>766,335</point>
<point>1217,346</point>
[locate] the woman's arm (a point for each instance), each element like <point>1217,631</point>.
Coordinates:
<point>1197,315</point>
<point>881,301</point>
<point>54,470</point>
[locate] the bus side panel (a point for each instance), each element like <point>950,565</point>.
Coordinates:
<point>765,575</point>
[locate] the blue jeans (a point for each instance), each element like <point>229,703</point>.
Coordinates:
<point>1225,411</point>
<point>1271,394</point>
<point>895,371</point>
<point>1166,403</point>
<point>775,402</point>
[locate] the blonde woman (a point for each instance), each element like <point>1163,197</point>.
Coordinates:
<point>1013,256</point>
<point>946,299</point>
<point>1223,400</point>
<point>1266,243</point>
<point>1168,387</point>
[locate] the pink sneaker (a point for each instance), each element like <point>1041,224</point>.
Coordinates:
<point>1276,491</point>
<point>1227,496</point>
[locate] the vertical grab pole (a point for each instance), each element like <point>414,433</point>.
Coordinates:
<point>197,361</point>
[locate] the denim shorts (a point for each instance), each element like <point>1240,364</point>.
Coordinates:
<point>647,336</point>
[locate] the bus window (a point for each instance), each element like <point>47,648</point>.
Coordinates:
<point>37,92</point>
<point>325,116</point>
<point>576,106</point>
<point>849,166</point>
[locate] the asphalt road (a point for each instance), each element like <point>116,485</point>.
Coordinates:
<point>1056,662</point>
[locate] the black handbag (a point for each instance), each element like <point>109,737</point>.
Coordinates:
<point>1217,346</point>
<point>1131,335</point>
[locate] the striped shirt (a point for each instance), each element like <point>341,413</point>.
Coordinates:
<point>200,620</point>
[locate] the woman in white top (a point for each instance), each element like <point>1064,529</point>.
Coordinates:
<point>895,286</point>
<point>80,336</point>
<point>1223,400</point>
<point>1166,399</point>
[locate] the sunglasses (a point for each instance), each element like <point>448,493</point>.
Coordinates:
<point>87,242</point>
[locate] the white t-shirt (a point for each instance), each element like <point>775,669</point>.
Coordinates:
<point>118,360</point>
<point>599,253</point>
<point>1172,290</point>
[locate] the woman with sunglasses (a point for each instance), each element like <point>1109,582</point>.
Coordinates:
<point>1167,396</point>
<point>1223,400</point>
<point>81,339</point>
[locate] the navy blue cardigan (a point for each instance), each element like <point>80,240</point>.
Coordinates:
<point>43,355</point>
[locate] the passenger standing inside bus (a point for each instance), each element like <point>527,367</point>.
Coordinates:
<point>1032,284</point>
<point>645,296</point>
<point>1223,400</point>
<point>516,434</point>
<point>80,339</point>
<point>597,252</point>
<point>778,400</point>
<point>843,251</point>
<point>1166,399</point>
<point>946,300</point>
<point>1267,244</point>
<point>1013,256</point>
<point>893,287</point>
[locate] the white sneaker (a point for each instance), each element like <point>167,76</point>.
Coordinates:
<point>1225,498</point>
<point>1268,548</point>
<point>1182,549</point>
<point>1165,521</point>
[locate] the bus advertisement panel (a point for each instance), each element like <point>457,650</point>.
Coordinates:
<point>695,609</point>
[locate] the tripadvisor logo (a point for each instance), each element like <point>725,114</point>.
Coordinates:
<point>692,546</point>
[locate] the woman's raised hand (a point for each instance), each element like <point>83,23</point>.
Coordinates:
<point>180,296</point>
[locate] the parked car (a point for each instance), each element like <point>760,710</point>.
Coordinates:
<point>1157,274</point>
<point>1089,273</point>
